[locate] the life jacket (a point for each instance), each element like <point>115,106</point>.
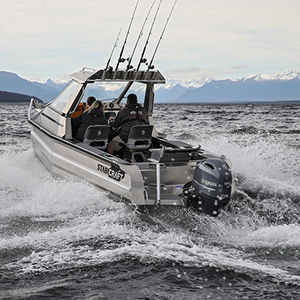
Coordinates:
<point>81,107</point>
<point>134,112</point>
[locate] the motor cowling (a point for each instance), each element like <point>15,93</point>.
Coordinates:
<point>211,187</point>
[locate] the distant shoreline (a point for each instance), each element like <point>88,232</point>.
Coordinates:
<point>9,97</point>
<point>14,102</point>
<point>237,103</point>
<point>195,103</point>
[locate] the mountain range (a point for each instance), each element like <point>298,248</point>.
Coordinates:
<point>11,82</point>
<point>263,87</point>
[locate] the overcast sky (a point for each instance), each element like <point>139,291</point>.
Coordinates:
<point>213,38</point>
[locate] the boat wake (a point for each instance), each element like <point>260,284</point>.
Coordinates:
<point>55,231</point>
<point>51,224</point>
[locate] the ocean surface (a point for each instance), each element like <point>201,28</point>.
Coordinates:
<point>62,238</point>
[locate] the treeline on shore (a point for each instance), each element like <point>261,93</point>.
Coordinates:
<point>14,97</point>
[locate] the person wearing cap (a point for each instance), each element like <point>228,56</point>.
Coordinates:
<point>132,114</point>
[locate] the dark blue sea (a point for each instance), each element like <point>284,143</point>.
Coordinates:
<point>63,238</point>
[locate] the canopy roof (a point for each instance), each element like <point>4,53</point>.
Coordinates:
<point>90,75</point>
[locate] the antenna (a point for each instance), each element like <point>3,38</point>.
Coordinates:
<point>142,59</point>
<point>150,66</point>
<point>121,59</point>
<point>113,49</point>
<point>129,66</point>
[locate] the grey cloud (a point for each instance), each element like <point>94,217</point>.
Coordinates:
<point>240,67</point>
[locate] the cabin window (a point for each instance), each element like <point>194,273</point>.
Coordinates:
<point>108,91</point>
<point>63,98</point>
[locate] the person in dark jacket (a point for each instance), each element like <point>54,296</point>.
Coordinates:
<point>92,116</point>
<point>132,114</point>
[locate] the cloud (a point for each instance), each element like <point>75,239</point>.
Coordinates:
<point>196,73</point>
<point>203,38</point>
<point>240,67</point>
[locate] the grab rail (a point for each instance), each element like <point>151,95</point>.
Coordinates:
<point>30,108</point>
<point>156,161</point>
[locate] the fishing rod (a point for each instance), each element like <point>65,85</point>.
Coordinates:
<point>129,66</point>
<point>150,66</point>
<point>121,59</point>
<point>142,59</point>
<point>113,49</point>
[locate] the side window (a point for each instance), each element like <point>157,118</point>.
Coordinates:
<point>63,98</point>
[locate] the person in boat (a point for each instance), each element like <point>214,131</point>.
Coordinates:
<point>89,101</point>
<point>94,115</point>
<point>132,114</point>
<point>83,106</point>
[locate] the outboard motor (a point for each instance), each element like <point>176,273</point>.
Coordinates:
<point>210,189</point>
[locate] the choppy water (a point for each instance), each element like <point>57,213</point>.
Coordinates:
<point>64,238</point>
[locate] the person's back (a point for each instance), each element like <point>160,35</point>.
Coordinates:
<point>132,114</point>
<point>93,116</point>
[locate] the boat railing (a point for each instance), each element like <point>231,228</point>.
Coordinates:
<point>33,106</point>
<point>156,160</point>
<point>29,108</point>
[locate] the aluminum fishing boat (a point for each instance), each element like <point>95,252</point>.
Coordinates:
<point>153,171</point>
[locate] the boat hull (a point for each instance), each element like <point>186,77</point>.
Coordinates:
<point>126,180</point>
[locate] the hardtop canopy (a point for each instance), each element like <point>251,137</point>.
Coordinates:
<point>86,75</point>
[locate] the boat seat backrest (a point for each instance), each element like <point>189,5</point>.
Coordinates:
<point>139,137</point>
<point>97,136</point>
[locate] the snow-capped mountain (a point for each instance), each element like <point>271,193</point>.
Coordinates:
<point>278,86</point>
<point>285,75</point>
<point>246,90</point>
<point>170,83</point>
<point>262,87</point>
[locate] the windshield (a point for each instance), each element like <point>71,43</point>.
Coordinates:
<point>108,91</point>
<point>63,98</point>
